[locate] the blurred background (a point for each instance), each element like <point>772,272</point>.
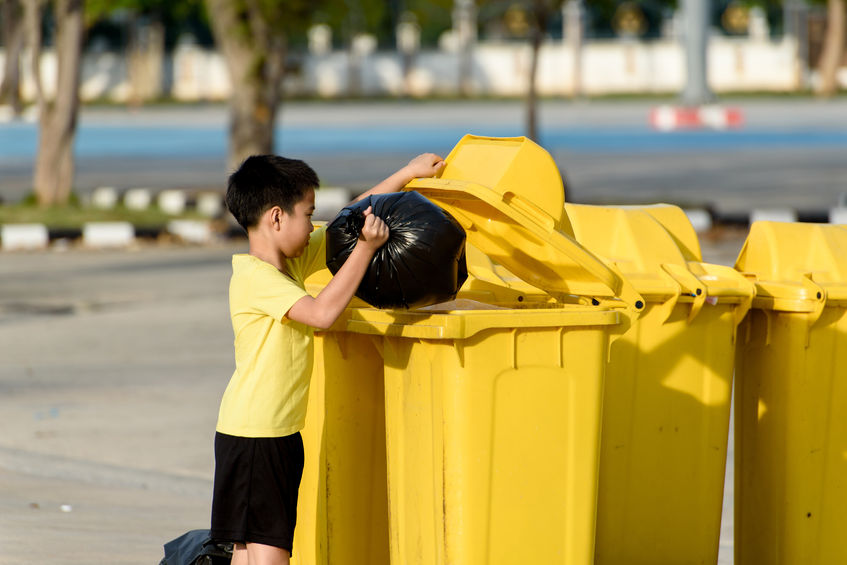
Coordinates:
<point>629,97</point>
<point>126,116</point>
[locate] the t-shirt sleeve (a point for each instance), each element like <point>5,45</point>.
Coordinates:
<point>274,293</point>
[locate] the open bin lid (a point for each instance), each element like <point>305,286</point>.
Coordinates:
<point>797,266</point>
<point>515,165</point>
<point>518,218</point>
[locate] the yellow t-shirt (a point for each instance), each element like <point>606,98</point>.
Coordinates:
<point>268,393</point>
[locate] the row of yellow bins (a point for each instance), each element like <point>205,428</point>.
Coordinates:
<point>572,405</point>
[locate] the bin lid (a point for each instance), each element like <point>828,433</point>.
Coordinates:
<point>493,283</point>
<point>656,248</point>
<point>515,165</point>
<point>795,265</point>
<point>509,220</point>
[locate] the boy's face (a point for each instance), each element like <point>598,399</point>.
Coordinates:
<point>296,227</point>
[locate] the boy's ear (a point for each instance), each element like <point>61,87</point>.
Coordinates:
<point>275,215</point>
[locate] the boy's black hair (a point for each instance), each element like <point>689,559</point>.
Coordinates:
<point>264,181</point>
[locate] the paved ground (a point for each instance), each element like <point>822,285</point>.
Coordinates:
<point>113,366</point>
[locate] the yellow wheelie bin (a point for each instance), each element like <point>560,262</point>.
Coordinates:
<point>492,402</point>
<point>668,388</point>
<point>342,511</point>
<point>791,395</point>
<point>342,515</point>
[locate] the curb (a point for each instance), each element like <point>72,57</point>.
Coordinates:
<point>111,235</point>
<point>100,235</point>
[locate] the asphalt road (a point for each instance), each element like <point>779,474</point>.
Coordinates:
<point>789,152</point>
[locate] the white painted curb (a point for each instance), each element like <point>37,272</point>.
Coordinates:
<point>191,231</point>
<point>171,202</point>
<point>838,215</point>
<point>104,197</point>
<point>108,234</point>
<point>210,204</point>
<point>138,198</point>
<point>700,219</point>
<point>23,236</point>
<point>773,215</point>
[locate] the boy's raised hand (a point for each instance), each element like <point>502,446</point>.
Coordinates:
<point>425,165</point>
<point>374,233</point>
<point>422,166</point>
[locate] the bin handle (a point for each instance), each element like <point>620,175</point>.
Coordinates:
<point>745,280</point>
<point>668,306</point>
<point>627,293</point>
<point>690,285</point>
<point>745,305</point>
<point>820,294</point>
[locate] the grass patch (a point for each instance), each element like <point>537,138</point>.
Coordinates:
<point>74,216</point>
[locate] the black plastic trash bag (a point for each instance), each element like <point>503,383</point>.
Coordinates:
<point>423,261</point>
<point>196,548</point>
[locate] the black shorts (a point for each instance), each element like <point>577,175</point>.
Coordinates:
<point>255,493</point>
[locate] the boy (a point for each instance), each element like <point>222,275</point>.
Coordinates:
<point>258,448</point>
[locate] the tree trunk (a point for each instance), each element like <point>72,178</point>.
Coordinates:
<point>255,57</point>
<point>539,19</point>
<point>54,164</point>
<point>12,39</point>
<point>145,58</point>
<point>464,26</point>
<point>531,95</point>
<point>32,23</point>
<point>833,48</point>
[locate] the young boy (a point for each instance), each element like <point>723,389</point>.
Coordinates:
<point>258,448</point>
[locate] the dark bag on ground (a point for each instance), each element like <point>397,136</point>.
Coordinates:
<point>423,261</point>
<point>196,548</point>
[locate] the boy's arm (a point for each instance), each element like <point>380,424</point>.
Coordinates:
<point>322,310</point>
<point>424,165</point>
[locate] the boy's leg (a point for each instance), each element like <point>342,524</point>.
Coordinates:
<point>239,554</point>
<point>260,554</point>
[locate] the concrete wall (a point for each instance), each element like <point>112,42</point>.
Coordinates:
<point>499,69</point>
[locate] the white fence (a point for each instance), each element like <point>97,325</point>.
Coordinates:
<point>498,69</point>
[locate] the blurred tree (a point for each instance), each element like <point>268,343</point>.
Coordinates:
<point>33,37</point>
<point>434,17</point>
<point>253,36</point>
<point>54,162</point>
<point>146,24</point>
<point>12,39</point>
<point>832,54</point>
<point>530,20</point>
<point>539,20</point>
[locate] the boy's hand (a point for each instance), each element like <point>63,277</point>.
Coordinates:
<point>425,165</point>
<point>422,166</point>
<point>374,233</point>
